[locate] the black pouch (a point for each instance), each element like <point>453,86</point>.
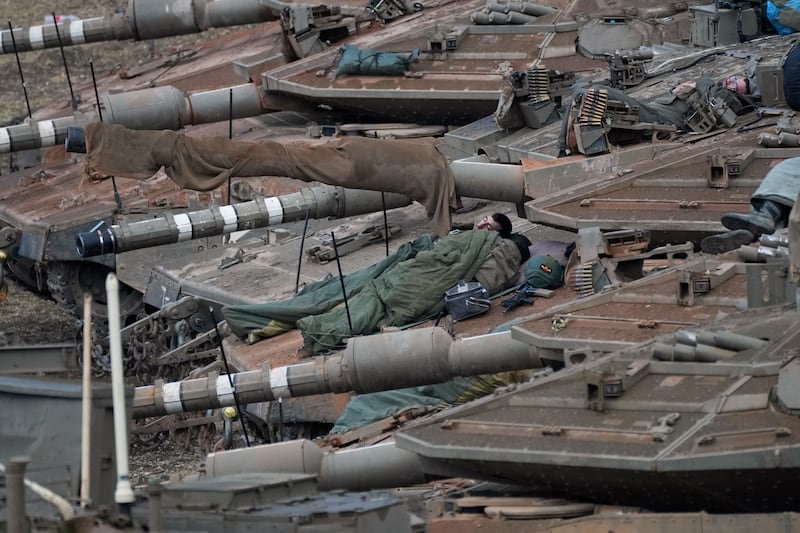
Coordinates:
<point>466,300</point>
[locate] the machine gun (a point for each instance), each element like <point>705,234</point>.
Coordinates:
<point>387,10</point>
<point>594,114</point>
<point>626,67</point>
<point>308,29</point>
<point>540,92</point>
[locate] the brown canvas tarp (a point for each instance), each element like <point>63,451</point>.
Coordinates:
<point>415,169</point>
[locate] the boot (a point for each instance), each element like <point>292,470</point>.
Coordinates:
<point>725,242</point>
<point>75,141</point>
<point>762,222</point>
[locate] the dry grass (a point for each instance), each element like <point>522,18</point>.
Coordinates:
<point>34,319</point>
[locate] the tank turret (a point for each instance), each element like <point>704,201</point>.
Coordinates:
<point>711,400</point>
<point>631,426</point>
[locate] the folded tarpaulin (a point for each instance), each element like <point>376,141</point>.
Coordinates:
<point>367,408</point>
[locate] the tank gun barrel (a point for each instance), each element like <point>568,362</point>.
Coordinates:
<point>357,163</point>
<point>34,134</point>
<point>368,364</point>
<point>168,108</point>
<point>143,20</point>
<point>320,202</point>
<point>492,181</point>
<point>157,108</point>
<point>388,465</point>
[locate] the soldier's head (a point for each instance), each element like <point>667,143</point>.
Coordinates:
<point>737,84</point>
<point>495,222</point>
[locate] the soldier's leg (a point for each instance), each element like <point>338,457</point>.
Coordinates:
<point>725,242</point>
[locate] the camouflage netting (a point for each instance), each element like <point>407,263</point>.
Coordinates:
<point>415,169</point>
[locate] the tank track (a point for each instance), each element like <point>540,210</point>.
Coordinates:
<point>174,343</point>
<point>67,281</point>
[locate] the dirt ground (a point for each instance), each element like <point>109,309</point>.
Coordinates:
<point>34,319</point>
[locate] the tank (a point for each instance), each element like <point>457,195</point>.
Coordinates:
<point>175,97</point>
<point>651,421</point>
<point>624,332</point>
<point>229,81</point>
<point>454,86</point>
<point>674,190</point>
<point>662,365</point>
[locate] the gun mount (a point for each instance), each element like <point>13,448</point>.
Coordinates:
<point>627,67</point>
<point>540,93</point>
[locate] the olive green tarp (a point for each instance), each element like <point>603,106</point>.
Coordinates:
<point>367,408</point>
<point>410,167</point>
<point>315,298</point>
<point>409,291</point>
<point>401,289</point>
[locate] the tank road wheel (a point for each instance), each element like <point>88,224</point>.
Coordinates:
<point>68,281</point>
